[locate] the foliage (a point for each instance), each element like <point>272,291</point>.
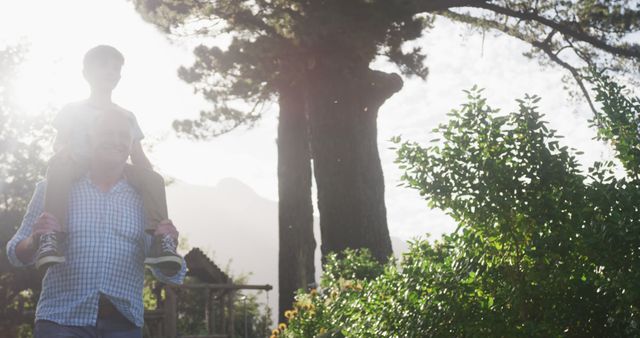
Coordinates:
<point>618,122</point>
<point>542,248</point>
<point>22,163</point>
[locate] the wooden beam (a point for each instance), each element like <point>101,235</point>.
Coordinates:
<point>265,287</point>
<point>208,311</point>
<point>171,313</point>
<point>232,317</point>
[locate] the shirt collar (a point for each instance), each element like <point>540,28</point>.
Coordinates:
<point>121,186</point>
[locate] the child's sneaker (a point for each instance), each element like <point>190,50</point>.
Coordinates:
<point>164,256</point>
<point>49,251</point>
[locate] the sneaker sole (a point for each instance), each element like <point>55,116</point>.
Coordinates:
<point>45,262</point>
<point>168,265</point>
<point>160,260</point>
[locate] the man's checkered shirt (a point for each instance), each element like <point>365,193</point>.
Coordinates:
<point>105,252</point>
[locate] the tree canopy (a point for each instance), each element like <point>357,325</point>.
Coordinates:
<point>273,41</point>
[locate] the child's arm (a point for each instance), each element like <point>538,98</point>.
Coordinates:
<point>61,141</point>
<point>138,157</point>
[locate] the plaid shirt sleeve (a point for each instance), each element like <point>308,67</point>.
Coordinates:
<point>34,210</point>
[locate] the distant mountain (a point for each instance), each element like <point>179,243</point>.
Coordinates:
<point>236,227</point>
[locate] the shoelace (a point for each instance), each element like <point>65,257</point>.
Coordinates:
<point>47,242</point>
<point>168,244</point>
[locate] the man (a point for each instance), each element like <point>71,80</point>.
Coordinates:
<point>97,291</point>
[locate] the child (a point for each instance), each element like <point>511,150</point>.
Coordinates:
<point>102,66</point>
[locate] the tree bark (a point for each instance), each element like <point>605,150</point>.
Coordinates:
<point>297,244</point>
<point>343,108</point>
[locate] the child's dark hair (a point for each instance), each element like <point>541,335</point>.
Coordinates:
<point>98,54</point>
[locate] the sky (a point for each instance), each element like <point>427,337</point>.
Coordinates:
<point>58,34</point>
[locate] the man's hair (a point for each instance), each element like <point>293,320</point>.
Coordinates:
<point>98,54</point>
<point>110,115</point>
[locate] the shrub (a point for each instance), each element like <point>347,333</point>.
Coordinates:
<point>542,248</point>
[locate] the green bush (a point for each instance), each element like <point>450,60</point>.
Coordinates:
<point>542,248</point>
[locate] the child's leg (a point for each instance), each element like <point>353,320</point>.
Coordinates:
<point>150,187</point>
<point>62,172</point>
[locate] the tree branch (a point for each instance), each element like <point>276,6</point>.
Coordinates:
<point>632,52</point>
<point>424,6</point>
<point>544,46</point>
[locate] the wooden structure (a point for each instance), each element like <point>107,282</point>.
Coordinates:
<point>218,294</point>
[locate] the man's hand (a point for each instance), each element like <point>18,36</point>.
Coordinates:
<point>46,223</point>
<point>166,227</point>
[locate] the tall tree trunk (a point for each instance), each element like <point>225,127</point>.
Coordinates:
<point>343,108</point>
<point>297,243</point>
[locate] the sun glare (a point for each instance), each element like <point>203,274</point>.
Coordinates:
<point>40,86</point>
<point>55,39</point>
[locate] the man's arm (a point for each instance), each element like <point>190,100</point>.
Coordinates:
<point>21,248</point>
<point>26,250</point>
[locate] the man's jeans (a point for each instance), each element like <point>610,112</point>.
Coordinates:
<point>105,328</point>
